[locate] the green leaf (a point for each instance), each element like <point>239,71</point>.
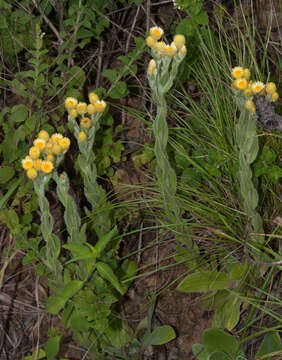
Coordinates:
<point>6,173</point>
<point>54,304</point>
<point>76,77</point>
<point>119,91</point>
<point>110,74</point>
<point>228,315</point>
<point>200,351</point>
<point>270,343</point>
<point>104,240</point>
<point>52,347</point>
<point>202,18</point>
<point>107,273</point>
<point>159,336</point>
<point>238,270</point>
<point>218,340</point>
<point>71,289</point>
<point>204,281</point>
<point>274,173</point>
<point>19,113</point>
<point>83,33</point>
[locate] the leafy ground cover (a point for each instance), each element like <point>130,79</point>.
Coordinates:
<point>113,275</point>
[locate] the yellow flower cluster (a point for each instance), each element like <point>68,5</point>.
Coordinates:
<point>252,88</point>
<point>176,47</point>
<point>76,108</point>
<point>47,147</point>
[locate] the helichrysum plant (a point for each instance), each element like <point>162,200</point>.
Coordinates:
<point>84,122</point>
<point>44,156</point>
<point>246,92</point>
<point>161,72</point>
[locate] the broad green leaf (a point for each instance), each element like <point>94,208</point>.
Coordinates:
<point>79,322</point>
<point>238,271</point>
<point>107,273</point>
<point>218,340</point>
<point>76,77</point>
<point>19,113</point>
<point>202,18</point>
<point>119,91</point>
<point>159,336</point>
<point>270,343</point>
<point>83,33</point>
<point>54,304</point>
<point>6,173</point>
<point>228,315</point>
<point>110,74</point>
<point>200,352</point>
<point>52,347</point>
<point>104,240</point>
<point>71,289</point>
<point>204,281</point>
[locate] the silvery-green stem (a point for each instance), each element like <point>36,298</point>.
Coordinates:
<point>47,223</point>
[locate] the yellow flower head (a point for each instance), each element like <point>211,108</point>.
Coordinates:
<point>65,143</point>
<point>43,135</point>
<point>170,50</point>
<point>73,113</point>
<point>34,152</point>
<point>237,72</point>
<point>57,149</point>
<point>50,157</point>
<point>81,108</point>
<point>70,103</point>
<point>160,46</point>
<point>37,164</point>
<point>82,136</point>
<point>246,73</point>
<point>47,166</point>
<point>39,143</point>
<point>27,163</point>
<point>91,109</point>
<point>150,41</point>
<point>270,88</point>
<point>248,91</point>
<point>100,106</point>
<point>179,41</point>
<point>274,96</point>
<point>93,98</point>
<point>31,173</point>
<point>85,122</point>
<point>56,137</point>
<point>257,87</point>
<point>152,67</point>
<point>249,105</point>
<point>241,84</point>
<point>156,32</point>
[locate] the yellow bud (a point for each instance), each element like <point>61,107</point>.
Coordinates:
<point>34,152</point>
<point>56,137</point>
<point>274,96</point>
<point>160,46</point>
<point>150,41</point>
<point>179,41</point>
<point>50,157</point>
<point>37,164</point>
<point>31,173</point>
<point>73,114</point>
<point>248,91</point>
<point>170,50</point>
<point>246,73</point>
<point>65,143</point>
<point>91,109</point>
<point>85,122</point>
<point>39,143</point>
<point>82,136</point>
<point>81,108</point>
<point>183,51</point>
<point>57,149</point>
<point>93,98</point>
<point>43,135</point>
<point>270,88</point>
<point>152,67</point>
